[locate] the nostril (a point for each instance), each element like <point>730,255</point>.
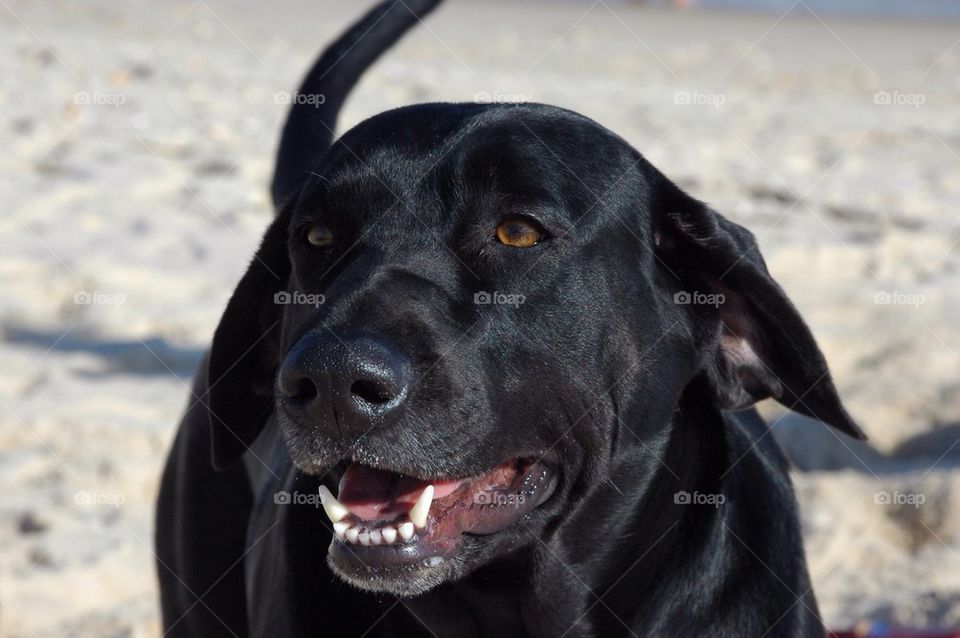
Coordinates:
<point>370,391</point>
<point>303,390</point>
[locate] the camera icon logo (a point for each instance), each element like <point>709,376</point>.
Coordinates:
<point>482,297</point>
<point>281,498</point>
<point>682,298</point>
<point>282,298</point>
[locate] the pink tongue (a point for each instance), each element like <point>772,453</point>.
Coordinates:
<point>372,494</point>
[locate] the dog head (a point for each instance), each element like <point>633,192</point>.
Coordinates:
<point>461,297</point>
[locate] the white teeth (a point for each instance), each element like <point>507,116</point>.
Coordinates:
<point>418,513</point>
<point>381,536</point>
<point>334,508</point>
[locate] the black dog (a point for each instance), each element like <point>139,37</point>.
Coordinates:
<point>510,347</point>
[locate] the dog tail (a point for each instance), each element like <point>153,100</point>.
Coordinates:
<point>308,131</point>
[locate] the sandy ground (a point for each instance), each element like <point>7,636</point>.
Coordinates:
<point>137,142</point>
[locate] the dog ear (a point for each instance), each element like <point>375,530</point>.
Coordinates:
<point>246,348</point>
<point>754,343</point>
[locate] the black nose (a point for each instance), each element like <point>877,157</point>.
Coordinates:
<point>353,380</point>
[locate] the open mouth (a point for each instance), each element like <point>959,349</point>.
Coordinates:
<point>382,518</point>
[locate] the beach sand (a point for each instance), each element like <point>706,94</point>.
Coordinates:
<point>137,146</point>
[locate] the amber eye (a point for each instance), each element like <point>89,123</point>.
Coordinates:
<point>519,233</point>
<point>319,235</point>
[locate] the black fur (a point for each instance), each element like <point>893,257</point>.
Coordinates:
<point>633,398</point>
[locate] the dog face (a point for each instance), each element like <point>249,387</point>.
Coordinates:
<point>470,313</point>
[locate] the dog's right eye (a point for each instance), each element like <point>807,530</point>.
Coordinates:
<point>319,235</point>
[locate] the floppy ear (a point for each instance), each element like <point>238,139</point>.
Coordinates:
<point>246,348</point>
<point>754,343</point>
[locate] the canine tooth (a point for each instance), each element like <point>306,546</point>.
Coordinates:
<point>352,534</point>
<point>418,513</point>
<point>364,538</point>
<point>340,528</point>
<point>389,535</point>
<point>406,531</point>
<point>375,537</point>
<point>335,509</point>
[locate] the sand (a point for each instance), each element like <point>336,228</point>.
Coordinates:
<point>137,144</point>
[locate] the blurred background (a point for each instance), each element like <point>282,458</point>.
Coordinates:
<point>137,141</point>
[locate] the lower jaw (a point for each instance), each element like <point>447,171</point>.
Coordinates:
<point>404,579</point>
<point>355,558</point>
<point>404,570</point>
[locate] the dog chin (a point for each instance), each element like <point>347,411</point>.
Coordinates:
<point>403,581</point>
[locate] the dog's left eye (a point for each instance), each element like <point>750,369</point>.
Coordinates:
<point>519,232</point>
<point>319,235</point>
